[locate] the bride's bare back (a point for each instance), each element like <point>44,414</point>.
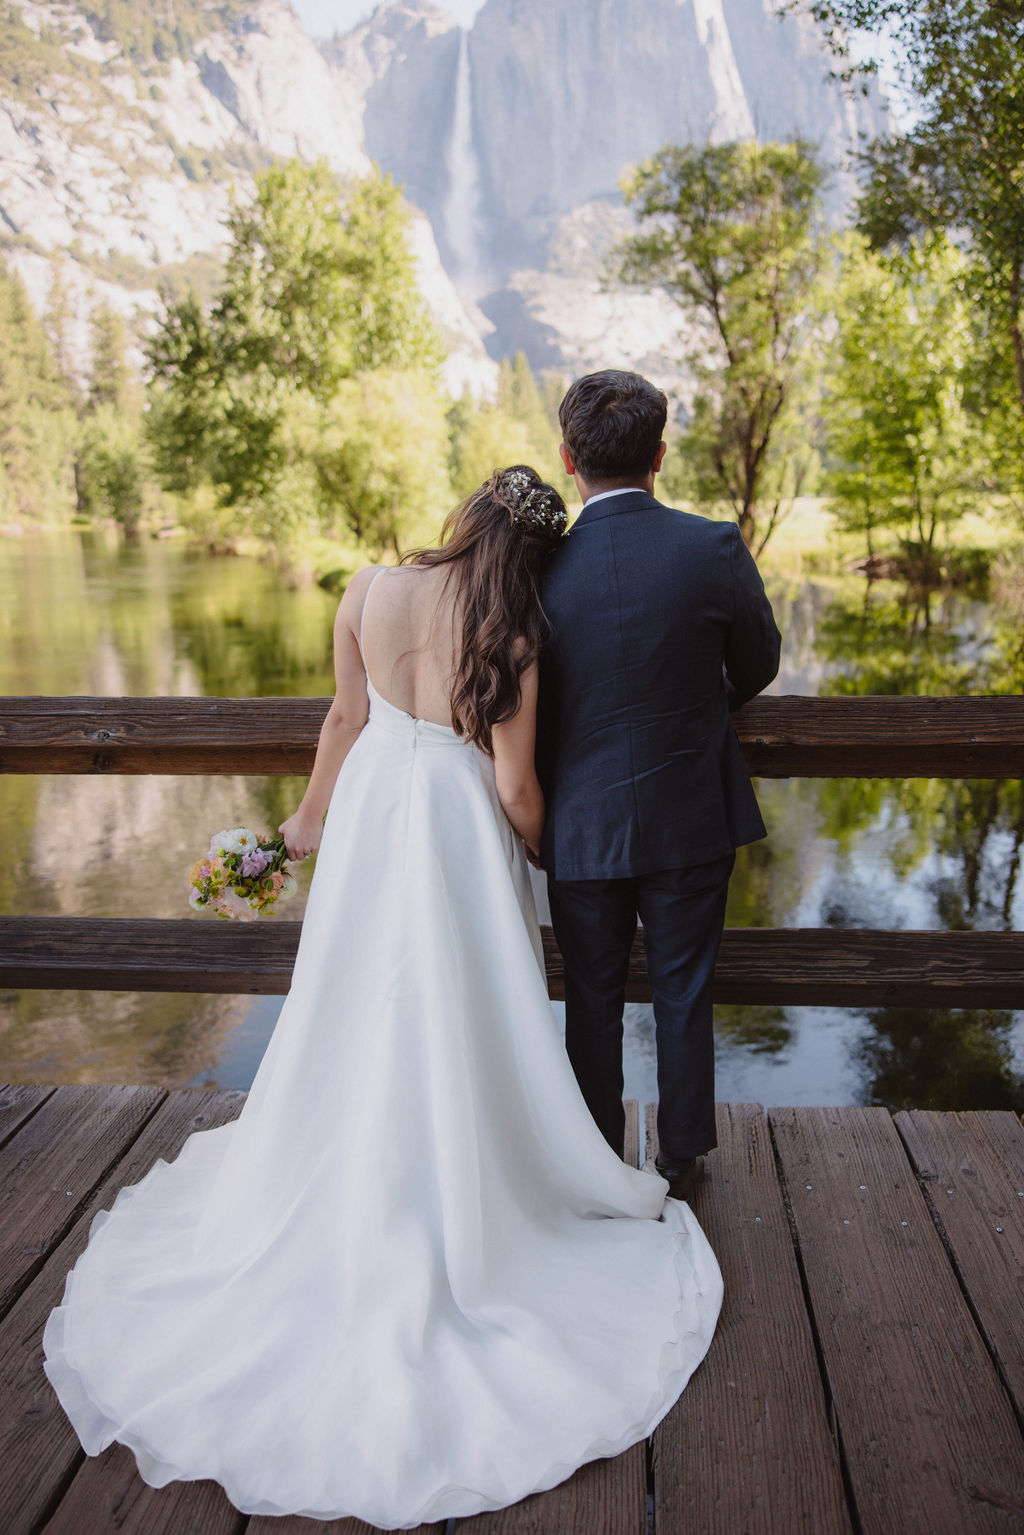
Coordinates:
<point>408,639</point>
<point>397,626</point>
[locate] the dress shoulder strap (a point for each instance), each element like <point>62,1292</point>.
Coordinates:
<point>362,616</point>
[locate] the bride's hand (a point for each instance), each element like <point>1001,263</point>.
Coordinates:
<point>301,833</point>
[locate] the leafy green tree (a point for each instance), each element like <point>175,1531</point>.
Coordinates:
<point>57,325</point>
<point>110,381</point>
<point>111,465</point>
<point>36,422</point>
<point>383,310</point>
<point>317,292</point>
<point>519,426</point>
<point>484,437</point>
<point>960,167</point>
<point>381,459</point>
<point>730,232</point>
<point>904,448</point>
<point>109,471</point>
<point>520,397</point>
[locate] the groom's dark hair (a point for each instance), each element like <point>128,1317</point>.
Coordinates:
<point>612,423</point>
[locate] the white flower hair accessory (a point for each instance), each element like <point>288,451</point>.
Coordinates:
<point>533,505</point>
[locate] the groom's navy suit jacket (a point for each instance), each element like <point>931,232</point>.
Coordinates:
<point>660,625</point>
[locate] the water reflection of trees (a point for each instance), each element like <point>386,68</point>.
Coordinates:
<point>163,1039</point>
<point>940,1058</point>
<point>767,884</point>
<point>904,641</point>
<point>242,640</point>
<point>889,639</point>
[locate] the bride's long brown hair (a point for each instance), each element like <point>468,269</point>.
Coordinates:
<point>494,544</point>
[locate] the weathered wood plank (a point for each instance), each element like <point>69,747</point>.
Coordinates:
<point>972,1169</point>
<point>604,1497</point>
<point>748,1446</point>
<point>108,1494</point>
<point>883,737</point>
<point>18,1104</point>
<point>929,1438</point>
<point>631,1145</point>
<point>781,737</point>
<point>853,968</point>
<point>149,954</point>
<point>159,735</point>
<point>50,1167</point>
<point>38,1447</point>
<point>297,1525</point>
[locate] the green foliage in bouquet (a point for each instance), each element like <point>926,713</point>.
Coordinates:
<point>242,876</point>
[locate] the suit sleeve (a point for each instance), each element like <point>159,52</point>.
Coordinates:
<point>754,642</point>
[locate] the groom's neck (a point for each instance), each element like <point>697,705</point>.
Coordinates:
<point>588,488</point>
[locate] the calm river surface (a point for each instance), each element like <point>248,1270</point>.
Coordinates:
<point>84,613</point>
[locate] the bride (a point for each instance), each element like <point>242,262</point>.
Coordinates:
<point>412,1281</point>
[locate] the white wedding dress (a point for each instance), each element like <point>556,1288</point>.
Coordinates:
<point>412,1280</point>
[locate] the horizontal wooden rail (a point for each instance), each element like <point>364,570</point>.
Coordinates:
<point>878,737</point>
<point>824,966</point>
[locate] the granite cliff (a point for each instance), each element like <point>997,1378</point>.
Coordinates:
<point>121,138</point>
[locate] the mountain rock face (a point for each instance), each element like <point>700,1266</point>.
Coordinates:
<point>513,138</point>
<point>123,167</point>
<point>510,138</point>
<point>403,64</point>
<point>567,96</point>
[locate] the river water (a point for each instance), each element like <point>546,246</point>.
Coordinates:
<point>84,613</point>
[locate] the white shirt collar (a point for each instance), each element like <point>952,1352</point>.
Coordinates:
<point>623,490</point>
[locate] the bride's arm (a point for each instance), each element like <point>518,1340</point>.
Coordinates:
<point>513,743</point>
<point>345,719</point>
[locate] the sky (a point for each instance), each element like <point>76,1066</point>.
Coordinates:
<point>322,18</point>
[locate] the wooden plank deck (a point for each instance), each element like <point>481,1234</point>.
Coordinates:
<point>867,1377</point>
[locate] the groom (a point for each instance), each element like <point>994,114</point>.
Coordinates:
<point>660,626</point>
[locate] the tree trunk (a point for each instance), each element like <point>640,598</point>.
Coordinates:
<point>748,521</point>
<point>1013,864</point>
<point>1016,333</point>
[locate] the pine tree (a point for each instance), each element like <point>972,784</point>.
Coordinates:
<point>110,467</point>
<point>109,380</point>
<point>36,423</point>
<point>57,325</point>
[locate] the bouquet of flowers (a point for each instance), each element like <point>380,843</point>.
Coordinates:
<point>242,875</point>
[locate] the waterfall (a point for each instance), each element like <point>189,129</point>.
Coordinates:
<point>462,203</point>
<point>732,117</point>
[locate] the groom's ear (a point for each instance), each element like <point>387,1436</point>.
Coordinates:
<point>659,457</point>
<point>566,457</point>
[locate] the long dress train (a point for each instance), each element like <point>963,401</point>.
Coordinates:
<point>411,1280</point>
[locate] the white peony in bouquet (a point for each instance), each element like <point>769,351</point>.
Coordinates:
<point>242,876</point>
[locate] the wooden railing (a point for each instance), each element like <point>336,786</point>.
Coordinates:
<point>977,737</point>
